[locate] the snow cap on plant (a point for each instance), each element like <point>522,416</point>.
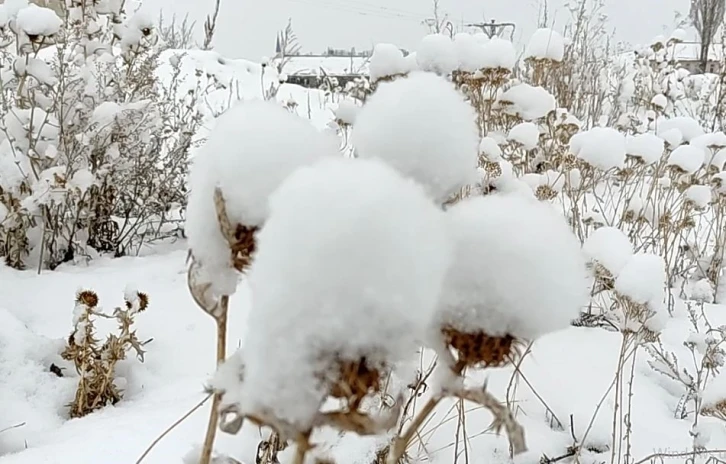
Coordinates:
<point>242,163</point>
<point>437,53</point>
<point>348,271</point>
<point>518,273</point>
<point>601,147</point>
<point>387,61</point>
<point>423,127</point>
<point>545,45</point>
<point>609,247</point>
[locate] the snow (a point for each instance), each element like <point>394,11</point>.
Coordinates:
<point>545,44</point>
<point>610,247</point>
<point>689,127</point>
<point>353,256</point>
<point>490,148</point>
<point>642,279</point>
<point>499,239</point>
<point>602,147</point>
<point>246,158</point>
<point>437,54</point>
<point>526,134</point>
<point>659,101</point>
<point>499,54</point>
<point>647,147</point>
<point>689,158</point>
<point>423,127</point>
<point>700,195</point>
<point>470,53</point>
<point>387,60</point>
<point>528,102</point>
<point>347,111</point>
<point>716,140</point>
<point>38,20</point>
<point>673,137</point>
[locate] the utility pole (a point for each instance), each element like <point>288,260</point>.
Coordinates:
<point>493,28</point>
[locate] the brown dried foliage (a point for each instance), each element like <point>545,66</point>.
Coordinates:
<point>96,363</point>
<point>479,349</point>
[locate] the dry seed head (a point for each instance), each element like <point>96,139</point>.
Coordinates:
<point>481,350</point>
<point>354,380</point>
<point>545,193</point>
<point>87,298</point>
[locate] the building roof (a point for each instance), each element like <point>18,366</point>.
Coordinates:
<point>691,51</point>
<point>333,65</point>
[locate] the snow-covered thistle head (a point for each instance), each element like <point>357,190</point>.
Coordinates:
<point>422,126</point>
<point>253,147</point>
<point>518,273</point>
<point>345,282</point>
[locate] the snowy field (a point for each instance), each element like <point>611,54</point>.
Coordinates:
<point>475,255</point>
<point>570,370</point>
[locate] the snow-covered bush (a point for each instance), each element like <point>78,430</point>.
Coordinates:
<point>93,151</point>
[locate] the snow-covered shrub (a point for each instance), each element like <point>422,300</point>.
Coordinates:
<point>93,152</point>
<point>425,129</point>
<point>346,278</point>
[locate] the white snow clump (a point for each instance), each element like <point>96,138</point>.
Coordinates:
<point>423,127</point>
<point>545,44</point>
<point>252,148</point>
<point>526,134</point>
<point>387,60</point>
<point>647,147</point>
<point>437,54</point>
<point>610,247</point>
<point>38,20</point>
<point>528,102</point>
<point>689,158</point>
<point>601,147</point>
<point>642,279</point>
<point>517,268</point>
<point>350,264</point>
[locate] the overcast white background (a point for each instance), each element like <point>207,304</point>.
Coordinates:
<point>247,28</point>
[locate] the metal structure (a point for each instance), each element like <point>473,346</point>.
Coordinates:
<point>493,28</point>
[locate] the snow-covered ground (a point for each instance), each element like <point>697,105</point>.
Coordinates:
<point>570,370</point>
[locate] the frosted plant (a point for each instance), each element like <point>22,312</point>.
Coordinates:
<point>352,256</point>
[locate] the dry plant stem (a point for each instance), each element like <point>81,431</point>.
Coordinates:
<point>220,316</point>
<point>401,442</point>
<point>172,427</point>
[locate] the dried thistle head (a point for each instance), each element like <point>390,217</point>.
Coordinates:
<point>88,298</point>
<point>354,380</point>
<point>478,349</point>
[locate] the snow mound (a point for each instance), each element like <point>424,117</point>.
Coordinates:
<point>246,158</point>
<point>38,20</point>
<point>470,53</point>
<point>610,247</point>
<point>352,257</point>
<point>490,149</point>
<point>437,54</point>
<point>423,127</point>
<point>387,60</point>
<point>602,147</point>
<point>499,53</point>
<point>699,195</point>
<point>526,134</point>
<point>499,239</point>
<point>545,44</point>
<point>642,279</point>
<point>689,127</point>
<point>689,158</point>
<point>647,147</point>
<point>528,102</point>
